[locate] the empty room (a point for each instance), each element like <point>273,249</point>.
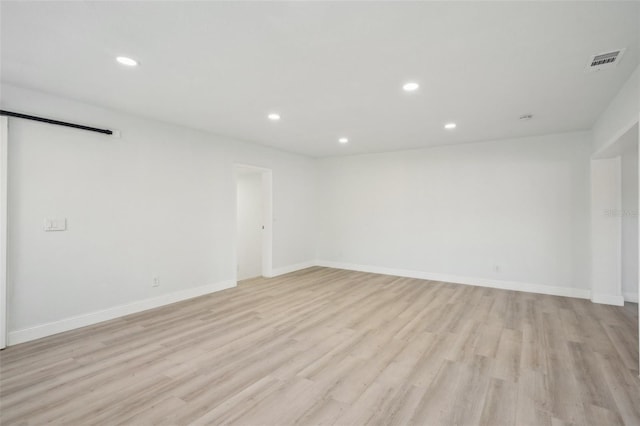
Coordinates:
<point>319,213</point>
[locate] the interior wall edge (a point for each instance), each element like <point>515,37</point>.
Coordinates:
<point>67,324</point>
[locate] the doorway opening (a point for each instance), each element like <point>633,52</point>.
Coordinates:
<point>253,222</point>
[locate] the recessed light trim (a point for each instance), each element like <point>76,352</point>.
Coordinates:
<point>410,86</point>
<point>450,126</point>
<point>343,140</point>
<point>273,116</point>
<point>127,61</point>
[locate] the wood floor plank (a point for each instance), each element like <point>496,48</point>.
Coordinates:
<point>500,404</point>
<point>324,346</point>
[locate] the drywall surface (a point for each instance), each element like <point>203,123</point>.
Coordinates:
<point>630,224</point>
<point>606,228</point>
<point>620,114</point>
<point>156,202</point>
<point>250,220</point>
<point>511,210</point>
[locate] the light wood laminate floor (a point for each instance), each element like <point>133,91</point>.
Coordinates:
<point>325,346</point>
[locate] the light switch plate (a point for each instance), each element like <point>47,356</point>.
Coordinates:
<point>55,224</point>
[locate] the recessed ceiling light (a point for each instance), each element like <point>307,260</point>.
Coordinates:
<point>127,61</point>
<point>450,126</point>
<point>410,87</point>
<point>343,140</point>
<point>273,116</point>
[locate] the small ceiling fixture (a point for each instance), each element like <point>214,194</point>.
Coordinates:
<point>343,140</point>
<point>450,126</point>
<point>127,61</point>
<point>273,116</point>
<point>410,87</point>
<point>526,117</point>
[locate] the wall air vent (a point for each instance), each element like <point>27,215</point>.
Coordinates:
<point>604,60</point>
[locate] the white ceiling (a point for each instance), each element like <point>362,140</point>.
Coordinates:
<point>330,68</point>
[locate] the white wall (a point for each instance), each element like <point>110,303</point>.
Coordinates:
<point>630,224</point>
<point>457,212</point>
<point>249,225</point>
<point>606,229</point>
<point>619,115</point>
<point>159,201</point>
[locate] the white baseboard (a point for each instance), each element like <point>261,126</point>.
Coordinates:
<point>292,268</point>
<point>50,328</point>
<point>482,282</point>
<point>608,299</point>
<point>630,297</point>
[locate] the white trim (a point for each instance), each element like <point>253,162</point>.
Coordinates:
<point>54,327</point>
<point>4,143</point>
<point>608,299</point>
<point>292,268</point>
<point>630,297</point>
<point>482,282</point>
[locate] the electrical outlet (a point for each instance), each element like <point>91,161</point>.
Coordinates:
<point>156,282</point>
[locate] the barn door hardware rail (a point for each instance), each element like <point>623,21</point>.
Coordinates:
<point>56,122</point>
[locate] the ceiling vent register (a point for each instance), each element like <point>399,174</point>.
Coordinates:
<point>605,60</point>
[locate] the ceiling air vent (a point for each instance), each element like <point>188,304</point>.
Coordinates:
<point>604,60</point>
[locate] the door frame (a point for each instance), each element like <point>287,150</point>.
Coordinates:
<point>4,150</point>
<point>267,217</point>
